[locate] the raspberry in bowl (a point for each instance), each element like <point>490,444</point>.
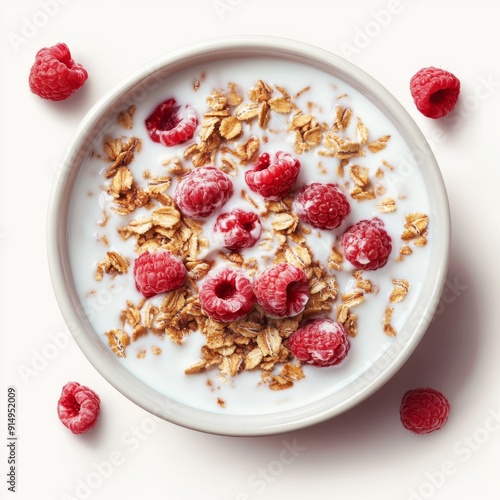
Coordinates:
<point>244,252</point>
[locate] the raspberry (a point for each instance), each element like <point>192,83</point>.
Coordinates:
<point>54,75</point>
<point>239,229</point>
<point>226,295</point>
<point>367,245</point>
<point>435,91</point>
<point>158,272</point>
<point>273,179</point>
<point>424,410</point>
<point>282,290</point>
<point>170,124</point>
<point>78,407</point>
<point>320,342</point>
<point>322,205</point>
<point>203,191</point>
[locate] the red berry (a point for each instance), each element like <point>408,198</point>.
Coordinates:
<point>282,290</point>
<point>78,407</point>
<point>367,245</point>
<point>203,191</point>
<point>170,124</point>
<point>435,91</point>
<point>424,410</point>
<point>322,205</point>
<point>239,229</point>
<point>273,179</point>
<point>54,75</point>
<point>320,342</point>
<point>158,272</point>
<point>226,295</point>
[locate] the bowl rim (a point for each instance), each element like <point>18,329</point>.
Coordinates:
<point>86,338</point>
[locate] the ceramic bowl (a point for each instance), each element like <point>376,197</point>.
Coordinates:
<point>324,393</point>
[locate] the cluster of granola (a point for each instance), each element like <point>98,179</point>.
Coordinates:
<point>257,341</point>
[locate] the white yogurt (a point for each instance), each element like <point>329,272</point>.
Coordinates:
<point>245,394</point>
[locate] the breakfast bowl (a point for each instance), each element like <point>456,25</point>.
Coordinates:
<point>236,106</point>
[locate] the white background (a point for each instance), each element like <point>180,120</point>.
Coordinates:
<point>362,454</point>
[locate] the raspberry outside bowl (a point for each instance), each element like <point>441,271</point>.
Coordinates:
<point>243,407</point>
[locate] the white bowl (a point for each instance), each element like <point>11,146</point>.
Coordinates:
<point>327,399</point>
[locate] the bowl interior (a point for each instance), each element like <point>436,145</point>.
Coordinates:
<point>360,385</point>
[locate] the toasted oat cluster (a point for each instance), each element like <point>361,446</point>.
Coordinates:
<point>225,138</point>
